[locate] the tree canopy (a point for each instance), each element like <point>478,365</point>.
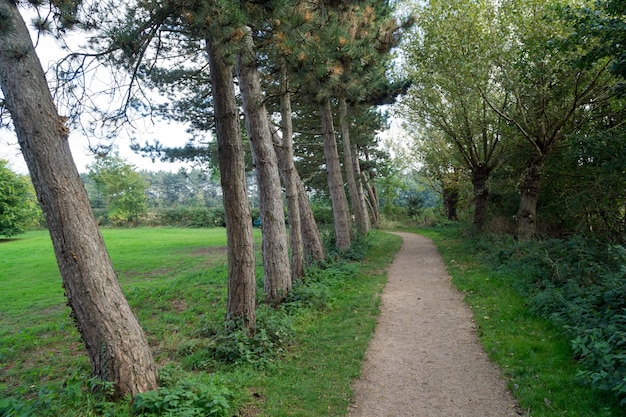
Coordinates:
<point>19,209</point>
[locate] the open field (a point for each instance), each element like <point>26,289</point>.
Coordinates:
<point>175,279</point>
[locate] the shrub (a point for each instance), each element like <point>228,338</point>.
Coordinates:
<point>323,214</point>
<point>191,217</point>
<point>188,398</point>
<point>580,284</point>
<point>232,343</point>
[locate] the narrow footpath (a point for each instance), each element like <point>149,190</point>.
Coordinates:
<point>425,359</point>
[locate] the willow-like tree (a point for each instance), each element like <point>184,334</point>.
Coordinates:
<point>116,344</point>
<point>448,58</point>
<point>551,95</point>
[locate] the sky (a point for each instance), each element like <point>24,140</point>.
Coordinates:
<point>169,134</point>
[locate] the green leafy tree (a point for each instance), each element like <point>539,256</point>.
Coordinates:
<point>123,189</point>
<point>603,27</point>
<point>552,95</point>
<point>449,61</point>
<point>19,210</point>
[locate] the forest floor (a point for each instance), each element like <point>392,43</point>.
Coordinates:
<point>424,359</point>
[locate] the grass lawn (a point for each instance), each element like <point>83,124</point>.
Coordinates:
<point>175,280</point>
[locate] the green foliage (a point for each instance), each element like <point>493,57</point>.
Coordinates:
<point>187,398</point>
<point>579,284</point>
<point>233,344</point>
<point>502,286</point>
<point>19,210</point>
<point>585,190</point>
<point>122,188</point>
<point>322,212</point>
<point>190,217</point>
<point>78,392</point>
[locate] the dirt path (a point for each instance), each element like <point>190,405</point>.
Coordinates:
<point>424,359</point>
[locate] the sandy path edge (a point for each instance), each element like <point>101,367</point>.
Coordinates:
<point>424,359</point>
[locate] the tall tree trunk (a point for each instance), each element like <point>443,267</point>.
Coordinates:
<point>358,206</point>
<point>356,166</point>
<point>479,182</point>
<point>450,200</point>
<point>311,239</point>
<point>289,172</point>
<point>313,247</point>
<point>241,266</point>
<point>117,346</point>
<point>372,199</point>
<point>529,194</point>
<point>335,181</point>
<point>277,277</point>
<point>372,192</point>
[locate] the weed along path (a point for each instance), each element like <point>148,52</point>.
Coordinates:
<point>425,359</point>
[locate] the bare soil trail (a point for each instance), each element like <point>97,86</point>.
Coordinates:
<point>424,359</point>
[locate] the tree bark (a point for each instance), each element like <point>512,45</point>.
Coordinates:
<point>356,166</point>
<point>116,344</point>
<point>372,199</point>
<point>277,277</point>
<point>311,239</point>
<point>529,195</point>
<point>335,181</point>
<point>289,172</point>
<point>313,247</point>
<point>241,266</point>
<point>358,206</point>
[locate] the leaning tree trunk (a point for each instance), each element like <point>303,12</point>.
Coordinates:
<point>311,238</point>
<point>335,181</point>
<point>358,205</point>
<point>372,199</point>
<point>241,266</point>
<point>117,346</point>
<point>313,246</point>
<point>529,194</point>
<point>277,277</point>
<point>356,166</point>
<point>289,172</point>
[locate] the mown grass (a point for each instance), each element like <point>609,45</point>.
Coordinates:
<point>535,356</point>
<point>175,279</point>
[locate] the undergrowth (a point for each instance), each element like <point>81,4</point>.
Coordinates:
<point>579,284</point>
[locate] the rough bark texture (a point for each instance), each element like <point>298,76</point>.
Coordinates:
<point>277,276</point>
<point>372,200</point>
<point>358,206</point>
<point>311,239</point>
<point>356,166</point>
<point>450,200</point>
<point>288,169</point>
<point>335,181</point>
<point>529,194</point>
<point>117,346</point>
<point>241,268</point>
<point>313,247</point>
